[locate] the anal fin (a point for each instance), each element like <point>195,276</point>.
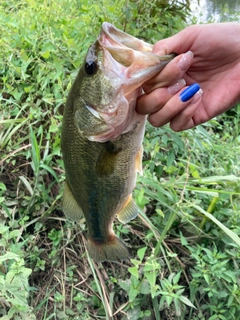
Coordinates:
<point>129,210</point>
<point>70,206</point>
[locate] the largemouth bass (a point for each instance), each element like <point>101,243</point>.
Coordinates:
<point>102,137</point>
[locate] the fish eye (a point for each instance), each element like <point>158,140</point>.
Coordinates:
<point>90,67</point>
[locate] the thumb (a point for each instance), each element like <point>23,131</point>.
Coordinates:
<point>179,43</point>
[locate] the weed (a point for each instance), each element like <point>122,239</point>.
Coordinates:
<point>185,242</point>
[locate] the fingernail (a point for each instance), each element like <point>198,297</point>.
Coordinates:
<point>197,96</point>
<point>176,86</point>
<point>185,61</point>
<point>188,93</point>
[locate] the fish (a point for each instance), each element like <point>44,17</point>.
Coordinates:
<point>102,137</point>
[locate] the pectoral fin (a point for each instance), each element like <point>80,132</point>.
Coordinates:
<point>107,159</point>
<point>129,211</point>
<point>70,206</point>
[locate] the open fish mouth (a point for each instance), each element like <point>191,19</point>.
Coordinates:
<point>115,38</point>
<point>118,65</point>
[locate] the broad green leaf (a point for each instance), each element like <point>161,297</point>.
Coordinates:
<point>183,239</point>
<point>133,271</point>
<point>160,212</point>
<point>151,277</point>
<point>169,300</point>
<point>207,278</point>
<point>125,284</point>
<point>45,54</point>
<point>141,253</point>
<point>9,256</point>
<point>2,186</point>
<point>177,277</point>
<point>170,158</point>
<point>134,314</point>
<point>145,287</point>
<point>133,294</point>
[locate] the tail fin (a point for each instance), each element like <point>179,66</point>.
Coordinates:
<point>113,250</point>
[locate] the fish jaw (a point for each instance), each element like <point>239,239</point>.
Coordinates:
<point>137,63</point>
<point>116,37</point>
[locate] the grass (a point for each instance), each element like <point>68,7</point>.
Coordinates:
<point>185,241</point>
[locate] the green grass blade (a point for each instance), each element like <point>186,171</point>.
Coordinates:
<point>27,184</point>
<point>228,232</point>
<point>35,150</point>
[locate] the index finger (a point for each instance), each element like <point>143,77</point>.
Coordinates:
<point>172,72</point>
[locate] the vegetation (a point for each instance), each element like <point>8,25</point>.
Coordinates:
<point>184,244</point>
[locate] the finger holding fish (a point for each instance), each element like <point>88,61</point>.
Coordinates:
<point>182,104</point>
<point>156,99</point>
<point>171,74</point>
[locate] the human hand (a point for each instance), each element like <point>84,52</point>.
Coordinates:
<point>215,67</point>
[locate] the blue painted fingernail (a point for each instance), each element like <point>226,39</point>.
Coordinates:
<point>188,93</point>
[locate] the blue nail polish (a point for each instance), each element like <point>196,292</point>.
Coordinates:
<point>188,93</point>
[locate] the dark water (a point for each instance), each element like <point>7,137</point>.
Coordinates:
<point>215,11</point>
